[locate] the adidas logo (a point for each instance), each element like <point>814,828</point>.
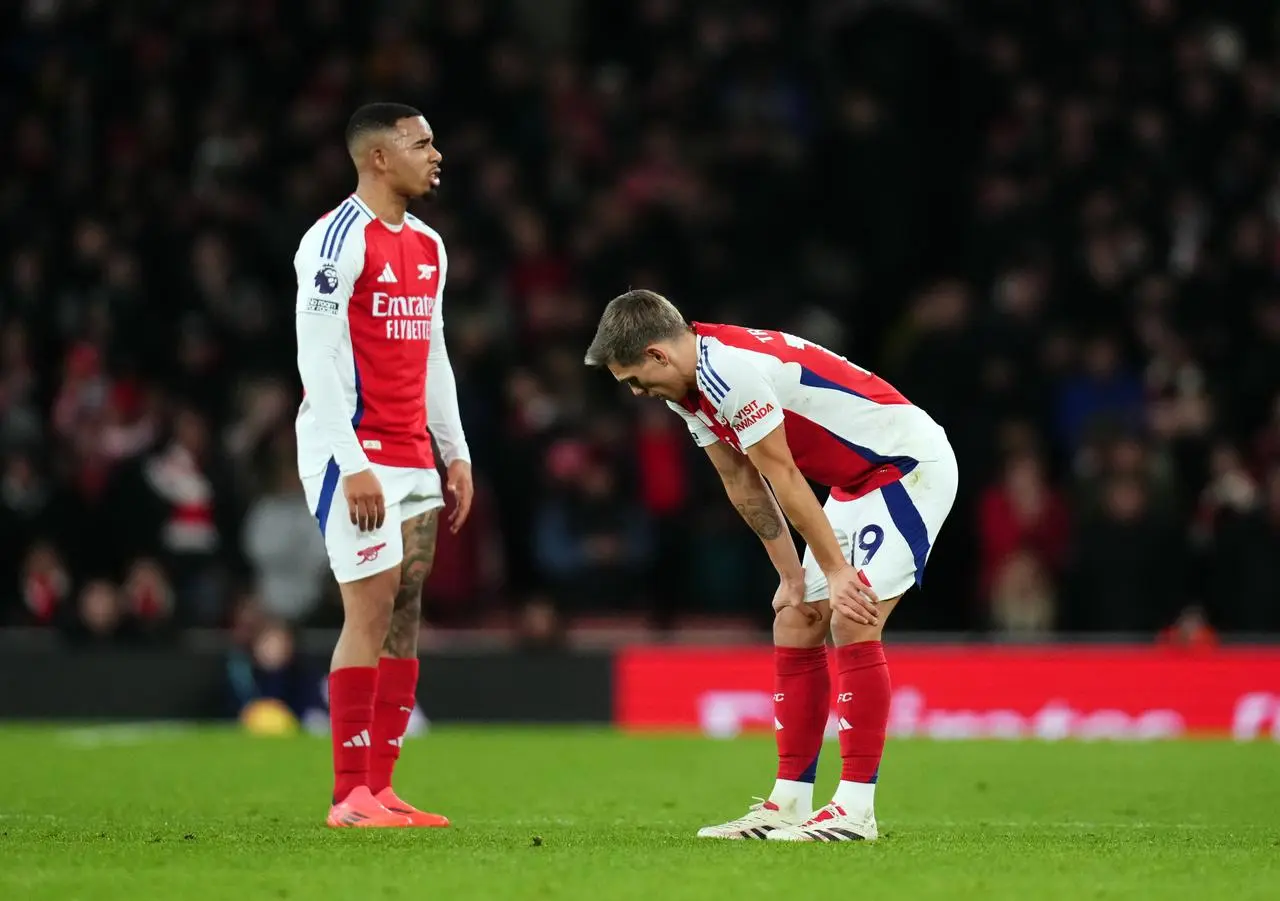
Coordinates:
<point>358,741</point>
<point>387,275</point>
<point>777,724</point>
<point>844,725</point>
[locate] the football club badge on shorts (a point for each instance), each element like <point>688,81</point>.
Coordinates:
<point>369,554</point>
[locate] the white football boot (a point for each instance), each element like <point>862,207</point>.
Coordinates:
<point>830,824</point>
<point>761,821</point>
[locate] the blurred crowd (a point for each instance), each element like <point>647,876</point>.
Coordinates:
<point>1053,225</point>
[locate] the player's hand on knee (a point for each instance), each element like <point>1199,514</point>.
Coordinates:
<point>853,597</point>
<point>790,593</point>
<point>365,502</point>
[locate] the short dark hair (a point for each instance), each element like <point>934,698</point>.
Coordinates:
<point>375,117</point>
<point>630,323</point>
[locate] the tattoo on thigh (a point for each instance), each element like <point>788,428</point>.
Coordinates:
<point>419,534</point>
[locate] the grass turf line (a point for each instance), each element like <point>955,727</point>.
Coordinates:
<point>586,814</point>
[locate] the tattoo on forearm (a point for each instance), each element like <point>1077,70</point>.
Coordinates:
<point>419,535</point>
<point>762,515</point>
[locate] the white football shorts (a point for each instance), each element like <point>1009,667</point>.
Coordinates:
<point>887,535</point>
<point>353,554</point>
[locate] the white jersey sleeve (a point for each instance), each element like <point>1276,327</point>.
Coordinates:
<point>444,419</point>
<point>325,285</point>
<point>741,391</point>
<point>702,434</point>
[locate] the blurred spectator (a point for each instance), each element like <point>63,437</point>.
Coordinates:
<point>24,511</point>
<point>937,352</point>
<point>1023,516</point>
<point>266,667</point>
<point>45,587</point>
<point>99,617</point>
<point>1129,566</point>
<point>21,422</point>
<point>1126,454</point>
<point>1103,393</point>
<point>146,598</point>
<point>1236,535</point>
<point>179,505</point>
<point>1191,630</point>
<point>285,547</point>
<point>266,406</point>
<point>246,619</point>
<point>541,627</point>
<point>592,541</point>
<point>1022,599</point>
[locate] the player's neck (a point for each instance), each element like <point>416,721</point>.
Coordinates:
<point>685,358</point>
<point>385,203</point>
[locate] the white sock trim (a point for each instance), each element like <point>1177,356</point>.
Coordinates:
<point>856,797</point>
<point>787,791</point>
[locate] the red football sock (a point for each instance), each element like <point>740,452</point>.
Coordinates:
<point>862,703</point>
<point>397,686</point>
<point>351,691</point>
<point>801,700</point>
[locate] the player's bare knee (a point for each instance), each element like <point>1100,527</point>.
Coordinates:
<point>802,628</point>
<point>845,630</point>
<point>368,604</point>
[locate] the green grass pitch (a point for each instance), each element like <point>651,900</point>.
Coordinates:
<point>205,813</point>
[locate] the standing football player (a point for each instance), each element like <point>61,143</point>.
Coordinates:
<point>773,411</point>
<point>378,386</point>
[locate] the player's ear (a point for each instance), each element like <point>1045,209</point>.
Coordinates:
<point>657,354</point>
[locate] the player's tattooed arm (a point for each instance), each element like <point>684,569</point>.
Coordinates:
<point>754,501</point>
<point>761,513</point>
<point>747,492</point>
<point>419,535</point>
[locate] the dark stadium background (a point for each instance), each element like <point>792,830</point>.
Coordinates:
<point>1053,225</point>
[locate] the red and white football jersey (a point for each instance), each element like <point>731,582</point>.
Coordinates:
<point>386,284</point>
<point>846,427</point>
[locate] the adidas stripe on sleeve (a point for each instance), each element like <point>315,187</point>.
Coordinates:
<point>741,393</point>
<point>701,432</point>
<point>327,265</point>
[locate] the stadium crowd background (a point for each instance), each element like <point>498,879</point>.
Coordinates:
<point>1053,225</point>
